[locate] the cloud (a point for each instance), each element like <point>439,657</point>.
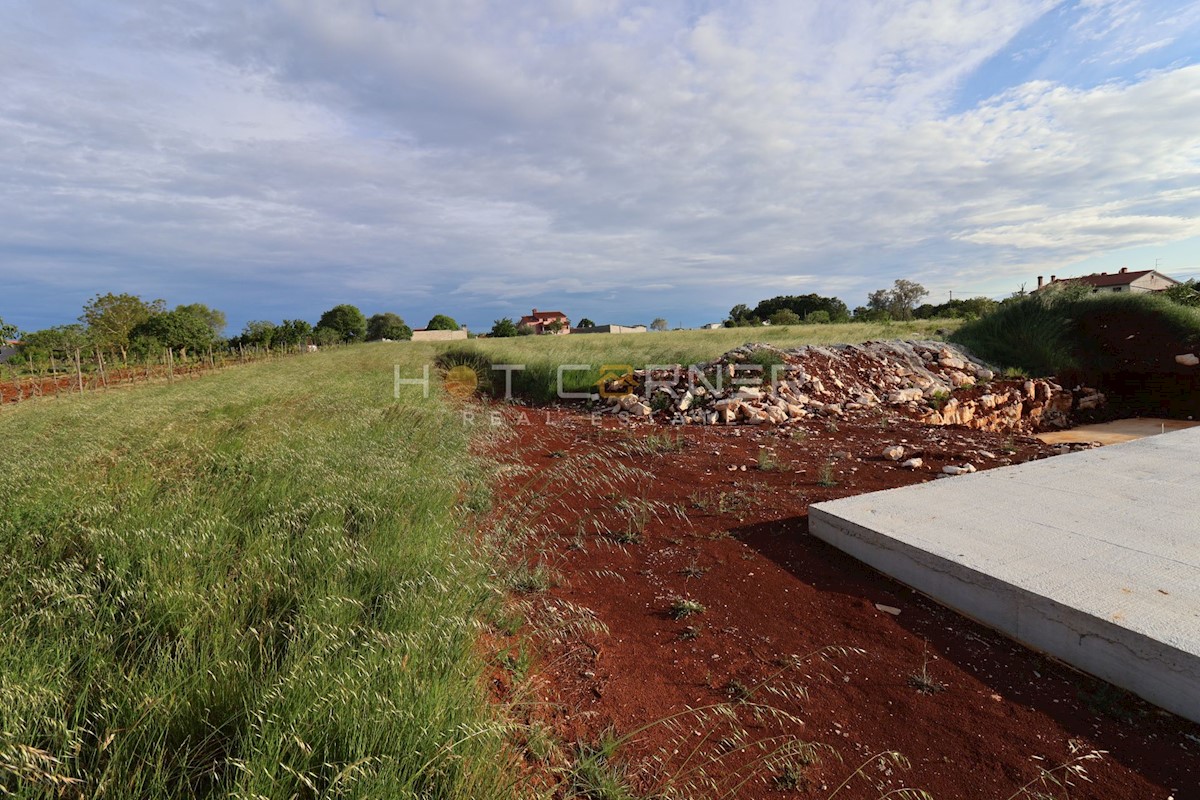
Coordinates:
<point>611,156</point>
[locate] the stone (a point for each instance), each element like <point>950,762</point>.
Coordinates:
<point>1187,359</point>
<point>953,363</point>
<point>893,452</point>
<point>685,402</point>
<point>960,379</point>
<point>640,410</point>
<point>913,463</point>
<point>895,612</point>
<point>748,393</point>
<point>913,395</point>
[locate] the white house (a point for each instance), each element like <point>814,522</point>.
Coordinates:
<point>1146,280</point>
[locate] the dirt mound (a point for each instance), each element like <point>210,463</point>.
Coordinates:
<point>932,382</point>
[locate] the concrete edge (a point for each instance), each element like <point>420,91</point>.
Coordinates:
<point>1151,669</point>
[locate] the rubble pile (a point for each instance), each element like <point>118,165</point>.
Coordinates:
<point>932,382</point>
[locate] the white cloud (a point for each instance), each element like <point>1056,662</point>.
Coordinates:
<point>572,149</point>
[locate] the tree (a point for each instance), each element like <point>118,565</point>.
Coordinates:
<point>739,313</point>
<point>214,319</point>
<point>111,319</point>
<point>818,318</point>
<point>504,328</point>
<point>387,326</point>
<point>1185,294</point>
<point>659,324</point>
<point>555,326</point>
<point>326,336</point>
<point>177,330</point>
<point>61,341</point>
<point>441,322</point>
<point>785,316</point>
<point>7,332</point>
<point>525,330</point>
<point>293,332</point>
<point>586,323</point>
<point>259,333</point>
<point>803,305</point>
<point>347,321</point>
<point>899,301</point>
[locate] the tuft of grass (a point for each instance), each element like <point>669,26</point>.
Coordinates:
<point>923,681</point>
<point>682,607</point>
<point>596,775</point>
<point>825,474</point>
<point>531,578</point>
<point>768,461</point>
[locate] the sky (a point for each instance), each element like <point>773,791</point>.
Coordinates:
<point>616,160</point>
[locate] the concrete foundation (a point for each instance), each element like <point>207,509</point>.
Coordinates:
<point>1091,557</point>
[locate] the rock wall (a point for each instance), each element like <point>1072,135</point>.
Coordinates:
<point>933,382</point>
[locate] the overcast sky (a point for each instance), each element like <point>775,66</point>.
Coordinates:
<point>616,160</point>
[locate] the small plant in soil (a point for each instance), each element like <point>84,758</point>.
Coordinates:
<point>738,691</point>
<point>661,401</point>
<point>691,633</point>
<point>922,681</point>
<point>595,775</point>
<point>938,399</point>
<point>767,460</point>
<point>825,474</point>
<point>791,774</point>
<point>693,570</point>
<point>531,579</point>
<point>682,607</point>
<point>665,442</point>
<point>831,426</point>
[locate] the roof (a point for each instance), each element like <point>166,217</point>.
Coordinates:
<point>544,315</point>
<point>1101,280</point>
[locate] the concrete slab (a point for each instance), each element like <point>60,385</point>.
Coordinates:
<point>1122,430</point>
<point>1092,557</point>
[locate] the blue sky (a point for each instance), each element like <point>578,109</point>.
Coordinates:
<point>616,160</point>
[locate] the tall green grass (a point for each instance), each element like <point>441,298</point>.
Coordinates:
<point>543,355</point>
<point>1091,335</point>
<point>256,584</point>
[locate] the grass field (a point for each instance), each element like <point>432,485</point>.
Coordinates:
<point>261,583</point>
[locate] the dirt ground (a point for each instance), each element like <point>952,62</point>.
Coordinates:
<point>795,642</point>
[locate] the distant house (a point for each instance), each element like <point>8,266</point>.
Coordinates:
<point>1146,280</point>
<point>8,349</point>
<point>611,329</point>
<point>546,322</point>
<point>422,335</point>
<point>712,326</point>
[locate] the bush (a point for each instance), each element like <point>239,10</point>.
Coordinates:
<point>387,326</point>
<point>441,322</point>
<point>504,328</point>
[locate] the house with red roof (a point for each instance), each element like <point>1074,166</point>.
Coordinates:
<point>546,322</point>
<point>1146,280</point>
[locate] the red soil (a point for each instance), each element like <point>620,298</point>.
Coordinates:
<point>771,592</point>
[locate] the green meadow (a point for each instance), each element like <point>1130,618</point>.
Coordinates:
<point>262,583</point>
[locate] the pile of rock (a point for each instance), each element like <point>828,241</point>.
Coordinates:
<point>761,384</point>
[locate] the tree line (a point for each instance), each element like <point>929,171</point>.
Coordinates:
<point>125,327</point>
<point>899,302</point>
